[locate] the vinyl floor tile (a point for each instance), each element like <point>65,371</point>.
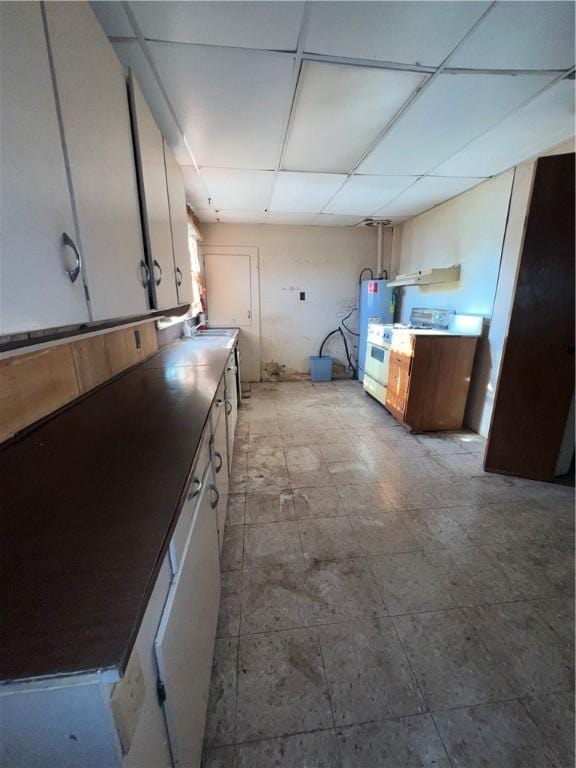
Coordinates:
<point>498,735</point>
<point>281,685</point>
<point>452,665</point>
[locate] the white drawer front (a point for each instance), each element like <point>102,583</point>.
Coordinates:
<point>200,476</point>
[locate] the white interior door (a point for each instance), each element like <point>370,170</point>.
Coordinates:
<point>184,645</point>
<point>232,295</point>
<point>98,136</point>
<point>35,291</point>
<point>152,170</point>
<point>179,226</point>
<point>229,291</point>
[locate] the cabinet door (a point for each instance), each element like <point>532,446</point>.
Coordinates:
<point>200,475</point>
<point>154,196</point>
<point>184,645</point>
<point>398,386</point>
<point>35,290</point>
<point>220,463</point>
<point>179,226</point>
<point>147,745</point>
<point>232,404</point>
<point>91,87</point>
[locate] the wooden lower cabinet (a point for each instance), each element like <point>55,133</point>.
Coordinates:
<point>398,384</point>
<point>428,381</point>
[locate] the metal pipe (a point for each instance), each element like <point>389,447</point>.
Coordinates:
<point>380,266</point>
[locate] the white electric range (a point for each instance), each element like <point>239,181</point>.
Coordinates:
<point>382,336</point>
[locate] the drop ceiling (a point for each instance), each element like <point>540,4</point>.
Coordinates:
<point>326,113</point>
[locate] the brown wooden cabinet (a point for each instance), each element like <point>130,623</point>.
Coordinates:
<point>398,383</point>
<point>428,380</point>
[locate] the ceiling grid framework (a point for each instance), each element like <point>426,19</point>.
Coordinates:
<point>329,113</point>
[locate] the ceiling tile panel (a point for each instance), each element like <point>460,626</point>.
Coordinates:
<point>521,35</point>
<point>205,214</point>
<point>232,104</point>
<point>113,18</point>
<point>238,190</point>
<point>130,54</point>
<point>451,112</point>
<point>339,111</point>
<point>307,192</point>
<point>283,217</point>
<point>546,121</point>
<point>241,217</point>
<point>425,194</point>
<point>265,25</point>
<point>362,195</point>
<point>406,32</point>
<point>196,192</point>
<point>336,220</point>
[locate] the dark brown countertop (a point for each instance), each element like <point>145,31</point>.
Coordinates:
<point>88,502</point>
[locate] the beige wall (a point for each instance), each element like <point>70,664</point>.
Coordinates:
<point>488,366</point>
<point>467,230</point>
<point>482,230</point>
<point>322,261</point>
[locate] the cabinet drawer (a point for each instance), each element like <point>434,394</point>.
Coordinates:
<point>200,477</point>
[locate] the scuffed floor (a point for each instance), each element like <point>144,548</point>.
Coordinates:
<point>384,602</point>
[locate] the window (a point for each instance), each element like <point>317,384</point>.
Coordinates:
<point>198,291</point>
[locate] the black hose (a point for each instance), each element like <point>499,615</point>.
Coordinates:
<point>350,363</point>
<point>349,329</point>
<point>366,269</point>
<point>343,323</point>
<point>326,339</point>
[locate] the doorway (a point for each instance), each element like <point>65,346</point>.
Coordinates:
<point>233,299</point>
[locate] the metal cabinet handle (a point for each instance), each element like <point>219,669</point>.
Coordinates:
<point>219,403</point>
<point>179,276</point>
<point>218,455</point>
<point>144,273</point>
<point>158,280</point>
<point>196,490</point>
<point>214,503</point>
<point>233,368</point>
<point>69,243</point>
<point>228,407</point>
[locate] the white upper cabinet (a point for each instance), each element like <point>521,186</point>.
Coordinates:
<point>96,123</point>
<point>179,226</point>
<point>154,195</point>
<point>35,289</point>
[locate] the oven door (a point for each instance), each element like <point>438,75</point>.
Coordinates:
<point>376,370</point>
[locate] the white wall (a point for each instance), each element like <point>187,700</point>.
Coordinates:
<point>322,261</point>
<point>489,357</point>
<point>482,230</point>
<point>488,365</point>
<point>467,230</point>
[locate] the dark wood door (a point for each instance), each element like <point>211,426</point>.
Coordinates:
<point>537,376</point>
